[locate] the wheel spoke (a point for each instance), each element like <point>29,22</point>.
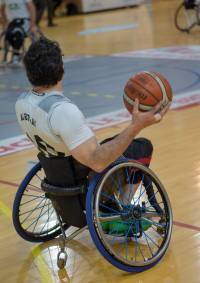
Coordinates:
<point>39,215</point>
<point>35,218</point>
<point>32,211</point>
<point>33,199</point>
<point>132,233</point>
<point>47,221</point>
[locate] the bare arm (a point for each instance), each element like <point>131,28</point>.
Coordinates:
<point>32,11</point>
<point>98,157</point>
<point>3,16</point>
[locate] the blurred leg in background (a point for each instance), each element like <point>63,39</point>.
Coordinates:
<point>41,5</point>
<point>56,4</point>
<point>50,9</point>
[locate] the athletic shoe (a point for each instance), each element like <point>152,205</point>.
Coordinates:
<point>16,61</point>
<point>120,228</point>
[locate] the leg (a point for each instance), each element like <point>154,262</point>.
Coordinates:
<point>5,48</point>
<point>57,3</point>
<point>140,149</point>
<point>50,12</point>
<point>40,7</point>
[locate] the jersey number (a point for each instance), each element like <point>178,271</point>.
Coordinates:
<point>46,148</point>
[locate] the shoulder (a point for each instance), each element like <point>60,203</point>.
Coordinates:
<point>67,109</point>
<point>22,97</point>
<point>21,100</point>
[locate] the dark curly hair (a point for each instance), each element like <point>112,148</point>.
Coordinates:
<point>43,63</point>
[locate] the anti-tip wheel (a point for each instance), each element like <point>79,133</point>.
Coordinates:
<point>61,259</point>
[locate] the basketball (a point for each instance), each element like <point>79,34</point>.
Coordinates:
<point>150,88</point>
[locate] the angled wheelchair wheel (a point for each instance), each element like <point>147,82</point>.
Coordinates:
<point>129,216</point>
<point>34,217</point>
<point>186,19</point>
<point>4,48</point>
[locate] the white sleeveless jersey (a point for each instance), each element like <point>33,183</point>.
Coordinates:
<point>16,9</point>
<point>52,122</point>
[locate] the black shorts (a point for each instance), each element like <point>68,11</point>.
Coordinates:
<point>141,149</point>
<point>69,172</point>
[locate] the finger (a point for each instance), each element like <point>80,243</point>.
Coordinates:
<point>136,106</point>
<point>157,117</point>
<point>157,107</point>
<point>165,109</point>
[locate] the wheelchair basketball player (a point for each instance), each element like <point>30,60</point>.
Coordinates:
<point>68,148</point>
<point>19,21</point>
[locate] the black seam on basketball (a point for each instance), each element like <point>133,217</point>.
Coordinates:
<point>130,103</point>
<point>164,86</point>
<point>160,83</point>
<point>139,84</point>
<point>146,88</point>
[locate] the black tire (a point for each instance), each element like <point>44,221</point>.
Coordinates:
<point>186,19</point>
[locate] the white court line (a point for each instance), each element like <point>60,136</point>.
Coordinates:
<point>182,52</point>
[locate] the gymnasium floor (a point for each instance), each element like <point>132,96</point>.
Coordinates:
<point>97,66</point>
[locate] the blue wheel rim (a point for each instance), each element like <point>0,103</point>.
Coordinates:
<point>43,235</point>
<point>94,234</point>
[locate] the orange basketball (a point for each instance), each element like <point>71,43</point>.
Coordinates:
<point>149,88</point>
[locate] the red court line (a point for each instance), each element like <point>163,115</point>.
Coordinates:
<point>8,122</point>
<point>186,106</point>
<point>176,223</point>
<point>187,226</point>
<point>12,184</point>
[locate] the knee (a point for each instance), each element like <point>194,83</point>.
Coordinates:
<point>140,149</point>
<point>146,145</point>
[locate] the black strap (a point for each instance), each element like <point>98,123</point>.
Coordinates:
<point>61,191</point>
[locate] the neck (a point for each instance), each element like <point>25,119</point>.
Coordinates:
<point>43,89</point>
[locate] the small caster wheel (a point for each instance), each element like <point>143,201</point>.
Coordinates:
<point>61,260</point>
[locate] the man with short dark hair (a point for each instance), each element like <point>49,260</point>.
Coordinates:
<point>59,130</point>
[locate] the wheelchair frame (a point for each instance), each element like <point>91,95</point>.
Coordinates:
<point>6,49</point>
<point>186,18</point>
<point>150,206</point>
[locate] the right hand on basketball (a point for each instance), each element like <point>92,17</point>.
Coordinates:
<point>145,119</point>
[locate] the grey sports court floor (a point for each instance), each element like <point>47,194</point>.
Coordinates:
<point>96,84</point>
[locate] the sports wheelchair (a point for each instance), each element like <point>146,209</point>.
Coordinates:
<point>14,39</point>
<point>131,232</point>
<point>187,15</point>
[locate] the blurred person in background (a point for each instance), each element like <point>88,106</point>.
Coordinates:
<point>18,18</point>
